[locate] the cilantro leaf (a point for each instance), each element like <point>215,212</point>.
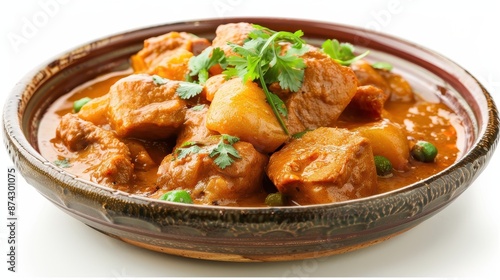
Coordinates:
<point>157,80</point>
<point>182,152</point>
<point>382,65</point>
<point>342,53</point>
<point>277,103</point>
<point>187,90</point>
<point>224,153</point>
<point>199,65</point>
<point>198,107</point>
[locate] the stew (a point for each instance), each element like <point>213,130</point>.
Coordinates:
<point>254,118</point>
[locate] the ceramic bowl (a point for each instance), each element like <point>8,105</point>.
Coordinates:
<point>251,234</point>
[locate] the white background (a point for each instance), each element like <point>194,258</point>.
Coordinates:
<point>460,241</point>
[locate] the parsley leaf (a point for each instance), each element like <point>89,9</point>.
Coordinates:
<point>187,90</point>
<point>223,152</point>
<point>382,65</point>
<point>342,53</point>
<point>261,58</point>
<point>199,65</point>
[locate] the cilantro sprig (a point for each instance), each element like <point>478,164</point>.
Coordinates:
<point>200,64</point>
<point>224,154</point>
<point>342,53</point>
<point>262,58</point>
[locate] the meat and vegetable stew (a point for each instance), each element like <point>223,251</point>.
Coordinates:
<point>254,117</point>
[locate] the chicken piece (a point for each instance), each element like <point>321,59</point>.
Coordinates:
<point>325,165</point>
<point>212,85</point>
<point>240,109</point>
<point>368,102</point>
<point>140,157</point>
<point>235,33</point>
<point>140,108</point>
<point>194,128</point>
<point>108,158</point>
<point>173,47</point>
<point>326,91</point>
<point>387,139</point>
<point>209,184</point>
<point>367,75</point>
<point>96,110</point>
<point>395,87</point>
<point>400,88</point>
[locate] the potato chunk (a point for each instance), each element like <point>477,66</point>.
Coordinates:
<point>241,110</point>
<point>389,140</point>
<point>325,165</point>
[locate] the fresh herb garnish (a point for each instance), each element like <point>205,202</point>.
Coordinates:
<point>187,148</point>
<point>63,163</point>
<point>382,65</point>
<point>262,58</point>
<point>198,107</point>
<point>187,90</point>
<point>157,80</point>
<point>223,153</point>
<point>299,135</point>
<point>199,65</point>
<point>342,53</point>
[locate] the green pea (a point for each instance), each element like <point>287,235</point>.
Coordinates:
<point>181,196</point>
<point>424,151</point>
<point>77,105</point>
<point>383,165</point>
<point>275,199</point>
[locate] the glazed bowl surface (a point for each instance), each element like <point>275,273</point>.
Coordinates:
<point>250,233</point>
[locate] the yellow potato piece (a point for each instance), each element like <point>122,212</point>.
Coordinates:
<point>388,140</point>
<point>241,110</point>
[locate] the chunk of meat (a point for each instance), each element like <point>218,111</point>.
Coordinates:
<point>235,33</point>
<point>368,102</point>
<point>393,85</point>
<point>325,165</point>
<point>400,88</point>
<point>173,47</point>
<point>209,184</point>
<point>109,158</point>
<point>140,108</point>
<point>140,157</point>
<point>326,91</point>
<point>194,128</point>
<point>212,85</point>
<point>367,75</point>
<point>240,109</point>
